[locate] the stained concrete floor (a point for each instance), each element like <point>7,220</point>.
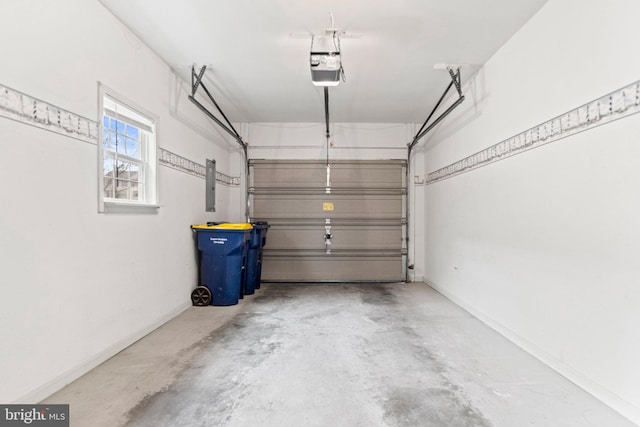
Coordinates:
<point>329,355</point>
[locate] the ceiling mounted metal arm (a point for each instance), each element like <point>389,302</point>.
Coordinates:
<point>196,81</point>
<point>455,81</point>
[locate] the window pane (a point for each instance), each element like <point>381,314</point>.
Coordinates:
<point>132,131</point>
<point>134,172</point>
<point>122,189</point>
<point>120,126</point>
<point>122,169</point>
<point>120,145</point>
<point>108,187</point>
<point>109,140</point>
<point>108,167</point>
<point>112,123</point>
<point>132,148</point>
<point>135,193</point>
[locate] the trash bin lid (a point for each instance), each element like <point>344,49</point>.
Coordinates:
<point>225,226</point>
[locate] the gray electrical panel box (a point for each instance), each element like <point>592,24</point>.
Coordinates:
<point>210,195</point>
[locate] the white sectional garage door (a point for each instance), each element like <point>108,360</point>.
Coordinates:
<point>347,225</point>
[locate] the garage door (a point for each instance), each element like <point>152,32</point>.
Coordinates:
<point>342,225</point>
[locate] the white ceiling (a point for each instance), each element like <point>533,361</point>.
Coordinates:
<point>259,57</point>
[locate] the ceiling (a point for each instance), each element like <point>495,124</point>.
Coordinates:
<point>257,51</point>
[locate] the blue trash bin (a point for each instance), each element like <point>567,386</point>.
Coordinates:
<point>254,257</point>
<point>223,259</point>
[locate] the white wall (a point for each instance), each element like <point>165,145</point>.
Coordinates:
<point>77,286</point>
<point>543,246</point>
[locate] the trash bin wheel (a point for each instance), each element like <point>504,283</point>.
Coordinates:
<point>201,296</point>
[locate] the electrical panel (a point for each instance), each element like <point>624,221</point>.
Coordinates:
<point>210,193</point>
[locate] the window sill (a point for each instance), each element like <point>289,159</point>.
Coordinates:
<point>128,207</point>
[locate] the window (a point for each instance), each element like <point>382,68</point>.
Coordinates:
<point>127,154</point>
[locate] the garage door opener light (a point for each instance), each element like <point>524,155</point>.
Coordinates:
<point>324,59</point>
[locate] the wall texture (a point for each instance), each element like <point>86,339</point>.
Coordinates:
<point>543,245</point>
<point>77,286</point>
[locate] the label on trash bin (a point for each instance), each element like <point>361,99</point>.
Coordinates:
<point>327,206</point>
<point>218,240</point>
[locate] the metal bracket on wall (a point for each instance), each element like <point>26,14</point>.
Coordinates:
<point>174,161</point>
<point>23,108</point>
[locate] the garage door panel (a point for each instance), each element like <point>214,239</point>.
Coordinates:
<point>312,174</point>
<point>332,269</point>
<point>343,237</point>
<point>367,176</point>
<point>328,206</point>
<point>362,208</point>
<point>287,174</point>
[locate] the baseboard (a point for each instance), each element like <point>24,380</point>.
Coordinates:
<point>607,397</point>
<point>71,375</point>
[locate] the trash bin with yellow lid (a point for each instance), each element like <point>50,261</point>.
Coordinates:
<point>223,258</point>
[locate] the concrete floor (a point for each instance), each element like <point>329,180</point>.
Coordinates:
<point>329,355</point>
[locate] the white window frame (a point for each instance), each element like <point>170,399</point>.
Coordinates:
<point>148,160</point>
